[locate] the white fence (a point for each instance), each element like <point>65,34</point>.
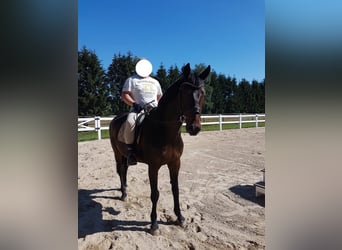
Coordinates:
<point>102,123</point>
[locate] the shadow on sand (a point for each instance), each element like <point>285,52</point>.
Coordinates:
<point>90,215</point>
<point>247,192</point>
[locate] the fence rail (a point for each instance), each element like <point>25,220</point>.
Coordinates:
<point>98,123</point>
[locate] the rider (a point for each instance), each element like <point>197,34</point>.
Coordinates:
<point>138,91</point>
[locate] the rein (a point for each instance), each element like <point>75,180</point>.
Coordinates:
<point>182,116</point>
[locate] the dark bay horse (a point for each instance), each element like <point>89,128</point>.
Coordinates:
<point>160,139</point>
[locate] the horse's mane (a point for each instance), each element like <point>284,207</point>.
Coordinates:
<point>170,92</point>
<point>173,89</point>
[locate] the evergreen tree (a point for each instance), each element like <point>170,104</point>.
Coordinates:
<point>255,97</point>
<point>161,76</point>
<point>243,95</point>
<point>100,93</point>
<point>232,105</point>
<point>92,90</point>
<point>173,75</point>
<point>208,105</point>
<point>230,89</point>
<point>122,67</point>
<point>219,93</point>
<point>261,100</point>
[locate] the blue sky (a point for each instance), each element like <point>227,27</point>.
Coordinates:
<point>227,34</point>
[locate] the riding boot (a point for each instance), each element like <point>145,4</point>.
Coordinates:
<point>131,160</point>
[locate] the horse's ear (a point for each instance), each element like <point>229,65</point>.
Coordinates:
<point>186,70</point>
<point>205,73</point>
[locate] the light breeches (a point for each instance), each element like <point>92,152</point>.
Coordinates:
<point>129,128</point>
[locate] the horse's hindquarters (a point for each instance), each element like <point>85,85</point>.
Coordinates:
<point>115,132</point>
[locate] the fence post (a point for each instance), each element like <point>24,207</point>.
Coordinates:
<point>240,121</point>
<point>98,126</point>
<point>256,121</point>
<point>220,122</point>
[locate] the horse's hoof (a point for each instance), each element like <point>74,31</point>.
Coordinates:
<point>124,197</point>
<point>181,222</point>
<point>154,230</point>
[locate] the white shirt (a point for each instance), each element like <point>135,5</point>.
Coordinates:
<point>143,90</point>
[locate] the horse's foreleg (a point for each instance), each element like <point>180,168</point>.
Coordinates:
<point>153,176</point>
<point>174,170</point>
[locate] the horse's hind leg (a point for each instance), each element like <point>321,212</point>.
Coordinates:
<point>121,169</point>
<point>174,170</point>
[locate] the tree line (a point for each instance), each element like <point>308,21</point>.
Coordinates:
<point>99,90</point>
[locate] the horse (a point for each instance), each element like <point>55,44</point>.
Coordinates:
<point>160,140</point>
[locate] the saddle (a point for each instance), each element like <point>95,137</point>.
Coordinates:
<point>138,124</point>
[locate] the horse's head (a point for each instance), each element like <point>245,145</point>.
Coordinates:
<point>192,98</point>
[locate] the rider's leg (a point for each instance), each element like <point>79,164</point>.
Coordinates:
<point>129,138</point>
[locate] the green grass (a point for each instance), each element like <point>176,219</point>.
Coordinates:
<point>230,126</point>
<point>92,135</point>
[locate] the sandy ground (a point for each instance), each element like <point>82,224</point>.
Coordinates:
<point>217,196</point>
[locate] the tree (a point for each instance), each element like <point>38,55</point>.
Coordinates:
<point>92,90</point>
<point>161,76</point>
<point>173,75</point>
<point>243,96</point>
<point>122,67</point>
<point>99,93</point>
<point>261,97</point>
<point>219,94</point>
<point>230,90</point>
<point>255,97</point>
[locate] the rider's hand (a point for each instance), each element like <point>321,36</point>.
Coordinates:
<point>137,107</point>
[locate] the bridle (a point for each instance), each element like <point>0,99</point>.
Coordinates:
<point>196,109</point>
